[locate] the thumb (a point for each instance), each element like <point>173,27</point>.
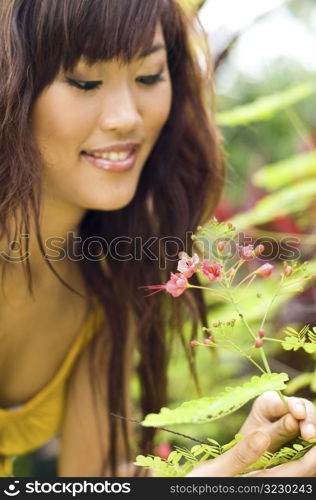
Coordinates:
<point>235,460</point>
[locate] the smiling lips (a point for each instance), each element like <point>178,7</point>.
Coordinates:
<point>116,158</point>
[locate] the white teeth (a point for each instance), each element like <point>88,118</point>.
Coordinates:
<point>112,156</point>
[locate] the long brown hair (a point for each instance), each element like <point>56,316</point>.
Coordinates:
<point>179,187</point>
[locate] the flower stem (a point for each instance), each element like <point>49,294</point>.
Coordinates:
<point>264,359</point>
<point>209,290</point>
<point>239,264</point>
<point>272,340</point>
<point>271,302</point>
<point>232,299</point>
<point>251,275</point>
<point>284,401</point>
<point>243,354</point>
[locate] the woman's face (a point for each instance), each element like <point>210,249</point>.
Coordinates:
<point>108,106</point>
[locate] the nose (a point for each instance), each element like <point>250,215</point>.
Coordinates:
<point>120,113</point>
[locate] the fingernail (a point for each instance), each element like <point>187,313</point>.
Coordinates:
<point>259,441</point>
<point>309,431</point>
<point>300,408</point>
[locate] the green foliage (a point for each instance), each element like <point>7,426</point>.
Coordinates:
<point>264,108</point>
<point>198,454</point>
<point>301,381</point>
<point>284,455</point>
<point>209,409</point>
<point>287,201</point>
<point>277,175</point>
<point>305,339</point>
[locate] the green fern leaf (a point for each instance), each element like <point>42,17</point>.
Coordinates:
<point>284,455</point>
<point>160,467</point>
<point>209,409</point>
<point>296,340</point>
<point>163,468</point>
<point>292,344</point>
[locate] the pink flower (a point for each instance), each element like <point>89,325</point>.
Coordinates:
<point>212,270</point>
<point>177,284</point>
<point>246,253</point>
<point>265,270</point>
<point>187,266</point>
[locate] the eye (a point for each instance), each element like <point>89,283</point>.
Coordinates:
<point>84,85</point>
<point>151,79</point>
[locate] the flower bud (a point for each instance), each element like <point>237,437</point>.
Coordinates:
<point>261,333</point>
<point>288,270</point>
<point>221,246</point>
<point>194,343</point>
<point>258,343</point>
<point>259,250</point>
<point>206,341</point>
<point>265,270</point>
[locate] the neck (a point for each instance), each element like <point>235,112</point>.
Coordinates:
<point>57,221</point>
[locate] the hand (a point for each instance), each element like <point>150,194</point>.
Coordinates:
<point>282,424</point>
<point>246,452</point>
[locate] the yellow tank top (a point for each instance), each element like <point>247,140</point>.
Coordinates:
<point>29,426</point>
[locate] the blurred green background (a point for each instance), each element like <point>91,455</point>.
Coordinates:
<point>264,58</point>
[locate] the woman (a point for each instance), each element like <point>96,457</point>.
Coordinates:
<point>105,145</point>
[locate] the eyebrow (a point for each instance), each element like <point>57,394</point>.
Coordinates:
<point>151,50</point>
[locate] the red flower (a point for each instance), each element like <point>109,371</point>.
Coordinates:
<point>212,270</point>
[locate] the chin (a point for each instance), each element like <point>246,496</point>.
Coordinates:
<point>111,203</point>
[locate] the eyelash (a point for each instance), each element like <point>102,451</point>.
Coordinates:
<point>87,86</point>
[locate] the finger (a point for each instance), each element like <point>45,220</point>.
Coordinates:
<point>281,431</point>
<point>308,426</point>
<point>237,459</point>
<point>304,467</point>
<point>270,405</point>
<point>308,422</point>
<point>297,407</point>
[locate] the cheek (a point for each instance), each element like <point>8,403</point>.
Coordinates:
<point>57,123</point>
<point>158,110</point>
